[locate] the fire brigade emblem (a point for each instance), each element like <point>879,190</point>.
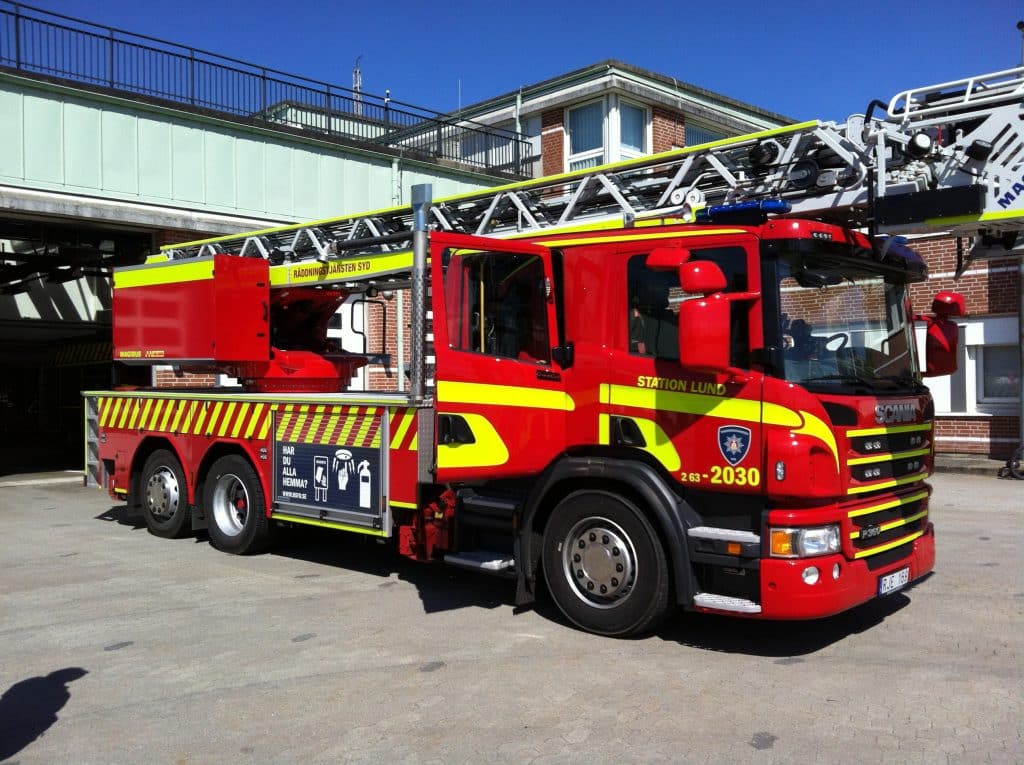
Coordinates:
<point>733,442</point>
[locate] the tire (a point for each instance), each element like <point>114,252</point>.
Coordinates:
<point>1015,465</point>
<point>596,541</point>
<point>235,507</point>
<point>163,495</point>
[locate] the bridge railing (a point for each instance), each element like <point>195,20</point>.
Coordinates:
<point>43,43</point>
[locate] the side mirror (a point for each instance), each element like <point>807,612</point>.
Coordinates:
<point>943,335</point>
<point>704,321</point>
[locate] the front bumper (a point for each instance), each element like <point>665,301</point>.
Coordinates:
<point>785,595</point>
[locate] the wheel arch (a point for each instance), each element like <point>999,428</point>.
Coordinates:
<point>224,449</point>
<point>634,479</point>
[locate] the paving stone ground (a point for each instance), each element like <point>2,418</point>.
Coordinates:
<point>118,647</point>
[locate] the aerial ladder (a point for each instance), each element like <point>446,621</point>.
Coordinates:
<point>946,158</point>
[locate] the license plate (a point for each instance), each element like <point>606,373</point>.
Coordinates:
<point>897,580</point>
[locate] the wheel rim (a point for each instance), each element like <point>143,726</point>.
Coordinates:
<point>230,504</point>
<point>599,562</point>
<point>163,495</point>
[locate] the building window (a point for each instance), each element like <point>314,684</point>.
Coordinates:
<point>632,130</point>
<point>999,374</point>
<point>586,136</point>
<point>698,134</point>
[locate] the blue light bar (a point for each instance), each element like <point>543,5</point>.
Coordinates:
<point>763,207</point>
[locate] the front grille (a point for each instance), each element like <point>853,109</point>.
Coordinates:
<point>886,458</point>
<point>877,527</point>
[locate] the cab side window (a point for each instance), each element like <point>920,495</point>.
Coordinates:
<point>654,298</point>
<point>497,305</point>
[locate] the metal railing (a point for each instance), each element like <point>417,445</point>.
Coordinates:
<point>39,42</point>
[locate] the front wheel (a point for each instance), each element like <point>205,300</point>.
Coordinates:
<point>604,565</point>
<point>235,507</point>
<point>164,496</point>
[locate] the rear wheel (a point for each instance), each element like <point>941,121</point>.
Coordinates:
<point>604,565</point>
<point>235,507</point>
<point>164,496</point>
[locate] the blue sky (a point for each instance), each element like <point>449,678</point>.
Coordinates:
<point>799,58</point>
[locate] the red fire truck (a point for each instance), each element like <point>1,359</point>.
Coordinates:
<point>684,380</point>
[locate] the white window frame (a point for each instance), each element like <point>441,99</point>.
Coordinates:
<point>620,150</point>
<point>601,152</point>
<point>980,376</point>
<point>976,333</point>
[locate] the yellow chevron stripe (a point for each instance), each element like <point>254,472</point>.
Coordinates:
<point>200,417</point>
<point>103,410</point>
<point>156,415</point>
<point>364,428</point>
<point>170,406</point>
<point>112,408</point>
<point>183,407</point>
<point>332,423</point>
<point>255,413</point>
<point>314,424</point>
<point>130,408</point>
<point>211,421</point>
<point>245,411</point>
<point>144,420</point>
<point>136,411</point>
<point>226,421</point>
<point>346,429</point>
<point>403,428</point>
<point>285,422</point>
<point>267,419</point>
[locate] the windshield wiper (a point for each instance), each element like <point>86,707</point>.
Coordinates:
<point>850,378</point>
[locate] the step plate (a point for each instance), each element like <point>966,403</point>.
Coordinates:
<point>726,603</point>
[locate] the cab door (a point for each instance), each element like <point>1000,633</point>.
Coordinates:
<point>501,397</point>
<point>705,429</point>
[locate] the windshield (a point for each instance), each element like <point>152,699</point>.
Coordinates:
<point>842,323</point>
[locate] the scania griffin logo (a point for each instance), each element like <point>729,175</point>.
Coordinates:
<point>889,413</point>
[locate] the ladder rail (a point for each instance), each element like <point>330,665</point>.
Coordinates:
<point>822,168</point>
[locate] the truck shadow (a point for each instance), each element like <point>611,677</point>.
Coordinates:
<point>440,587</point>
<point>444,588</point>
<point>781,639</point>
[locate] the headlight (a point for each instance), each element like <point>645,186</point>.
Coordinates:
<point>805,542</point>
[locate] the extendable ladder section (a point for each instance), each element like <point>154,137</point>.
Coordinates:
<point>824,170</point>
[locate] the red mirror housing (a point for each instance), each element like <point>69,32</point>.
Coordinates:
<point>703,321</point>
<point>940,346</point>
<point>948,304</point>
<point>704,333</point>
<point>942,339</point>
<point>701,277</point>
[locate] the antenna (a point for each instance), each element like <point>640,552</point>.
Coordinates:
<point>357,87</point>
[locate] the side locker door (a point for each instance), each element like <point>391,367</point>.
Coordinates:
<point>501,400</point>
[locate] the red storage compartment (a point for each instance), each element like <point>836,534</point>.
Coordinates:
<point>178,313</point>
